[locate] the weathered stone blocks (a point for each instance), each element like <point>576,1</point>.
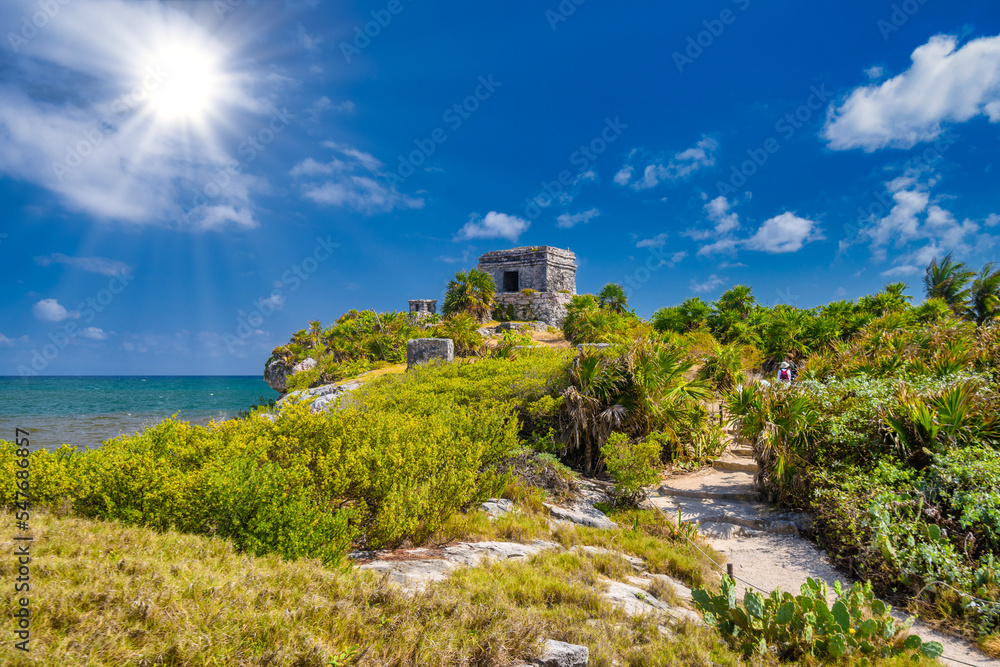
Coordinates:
<point>419,351</point>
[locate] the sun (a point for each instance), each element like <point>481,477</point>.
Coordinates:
<point>184,82</point>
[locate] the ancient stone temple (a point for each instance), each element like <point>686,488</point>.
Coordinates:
<point>421,308</point>
<point>541,268</point>
<point>533,282</point>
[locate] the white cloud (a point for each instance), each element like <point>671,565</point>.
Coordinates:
<point>324,104</point>
<point>784,233</point>
<point>94,333</point>
<point>344,183</point>
<point>945,84</point>
<point>11,342</point>
<point>624,175</point>
<point>656,242</point>
<point>992,220</point>
<point>682,164</point>
<point>307,41</point>
<point>901,271</point>
<point>50,310</point>
<point>566,220</point>
<point>77,120</point>
<point>493,226</point>
<point>875,72</point>
<point>724,224</point>
<point>101,265</point>
<point>708,285</point>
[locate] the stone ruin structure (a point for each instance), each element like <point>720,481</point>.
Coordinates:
<point>422,308</point>
<point>533,282</point>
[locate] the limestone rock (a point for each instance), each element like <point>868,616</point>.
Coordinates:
<point>497,506</point>
<point>582,514</point>
<point>419,351</point>
<point>319,398</point>
<point>561,654</point>
<point>593,346</point>
<point>277,372</point>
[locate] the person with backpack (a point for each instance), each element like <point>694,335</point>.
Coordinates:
<point>785,372</point>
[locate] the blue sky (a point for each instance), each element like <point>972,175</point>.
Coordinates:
<point>185,184</point>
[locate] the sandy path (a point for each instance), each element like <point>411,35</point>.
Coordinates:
<point>770,561</point>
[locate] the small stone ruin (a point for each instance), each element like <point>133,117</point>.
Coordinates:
<point>419,351</point>
<point>533,282</point>
<point>421,309</point>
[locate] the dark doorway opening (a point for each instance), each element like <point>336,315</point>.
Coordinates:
<point>510,281</point>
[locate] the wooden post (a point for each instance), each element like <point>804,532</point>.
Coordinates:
<point>729,570</point>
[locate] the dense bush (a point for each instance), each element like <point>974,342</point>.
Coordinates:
<point>893,445</point>
<point>631,465</point>
<point>403,455</point>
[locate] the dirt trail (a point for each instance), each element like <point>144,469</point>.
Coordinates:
<point>763,544</point>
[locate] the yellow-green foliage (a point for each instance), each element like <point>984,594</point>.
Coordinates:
<point>630,464</point>
<point>405,454</point>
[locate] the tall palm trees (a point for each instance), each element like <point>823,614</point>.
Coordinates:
<point>949,280</point>
<point>985,293</point>
<point>471,293</point>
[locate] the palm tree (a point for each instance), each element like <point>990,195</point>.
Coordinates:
<point>738,299</point>
<point>949,280</point>
<point>984,300</point>
<point>471,293</point>
<point>613,297</point>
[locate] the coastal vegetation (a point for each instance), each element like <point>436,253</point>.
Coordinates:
<point>889,437</point>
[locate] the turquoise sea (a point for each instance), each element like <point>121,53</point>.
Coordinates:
<point>86,411</point>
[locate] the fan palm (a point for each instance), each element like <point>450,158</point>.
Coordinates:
<point>471,293</point>
<point>613,297</point>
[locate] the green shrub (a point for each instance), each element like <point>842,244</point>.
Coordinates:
<point>795,626</point>
<point>631,465</point>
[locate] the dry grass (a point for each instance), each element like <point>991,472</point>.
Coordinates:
<point>106,594</point>
<point>368,376</point>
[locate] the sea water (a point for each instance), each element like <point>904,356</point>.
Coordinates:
<point>86,411</point>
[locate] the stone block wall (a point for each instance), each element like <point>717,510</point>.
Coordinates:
<point>549,307</point>
<point>542,268</point>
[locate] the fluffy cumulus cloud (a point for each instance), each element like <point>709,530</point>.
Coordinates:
<point>707,285</point>
<point>351,179</point>
<point>50,310</point>
<point>784,233</point>
<point>101,265</point>
<point>918,228</point>
<point>657,241</point>
<point>945,84</point>
<point>567,220</point>
<point>493,226</point>
<point>87,116</point>
<point>656,171</point>
<point>93,333</point>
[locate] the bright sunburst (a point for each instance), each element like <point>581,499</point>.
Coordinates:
<point>186,83</point>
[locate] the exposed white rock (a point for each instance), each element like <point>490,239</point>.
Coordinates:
<point>582,514</point>
<point>319,398</point>
<point>561,654</point>
<point>496,507</point>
